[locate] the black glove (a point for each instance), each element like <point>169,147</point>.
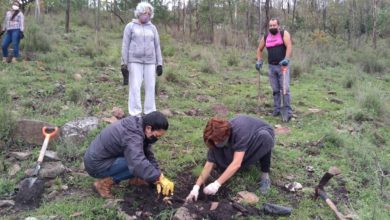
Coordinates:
<point>125,74</point>
<point>159,70</point>
<point>21,35</point>
<point>1,33</point>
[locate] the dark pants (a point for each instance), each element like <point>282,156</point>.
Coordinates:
<point>118,171</point>
<point>265,163</point>
<point>11,36</point>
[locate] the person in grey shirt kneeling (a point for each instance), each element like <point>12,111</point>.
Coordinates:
<point>235,143</point>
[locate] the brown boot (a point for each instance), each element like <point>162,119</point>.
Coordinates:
<point>14,60</point>
<point>5,60</point>
<point>103,187</point>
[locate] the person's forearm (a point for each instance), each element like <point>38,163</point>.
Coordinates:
<point>208,167</point>
<point>288,52</point>
<point>229,172</point>
<point>259,54</point>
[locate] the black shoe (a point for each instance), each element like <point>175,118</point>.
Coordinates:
<point>265,185</point>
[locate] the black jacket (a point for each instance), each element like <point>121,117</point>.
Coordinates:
<point>124,138</point>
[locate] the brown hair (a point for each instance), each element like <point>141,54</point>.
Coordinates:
<point>216,130</point>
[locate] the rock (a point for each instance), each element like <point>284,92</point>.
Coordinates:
<point>51,156</point>
<point>337,101</point>
<point>193,112</point>
<point>6,203</point>
<point>110,120</point>
<point>184,214</point>
<point>310,169</point>
<point>76,214</point>
<point>53,195</point>
<point>282,130</point>
<point>31,218</point>
<point>14,169</point>
<point>75,132</point>
<point>204,98</point>
<point>167,112</point>
<point>247,197</point>
<point>118,112</point>
<point>163,97</point>
<point>30,131</point>
<point>20,155</point>
<point>214,206</point>
<point>220,110</point>
<point>314,110</point>
<point>51,169</point>
<point>103,78</point>
<point>293,187</point>
<point>64,187</point>
<point>77,77</point>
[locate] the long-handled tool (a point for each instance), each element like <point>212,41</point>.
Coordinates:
<point>284,110</point>
<point>31,189</point>
<point>320,191</point>
<point>48,132</point>
<point>258,109</point>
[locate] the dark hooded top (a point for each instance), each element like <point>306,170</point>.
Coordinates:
<point>124,138</point>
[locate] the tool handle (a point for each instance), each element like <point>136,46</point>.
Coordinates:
<point>48,132</point>
<point>332,206</point>
<point>284,70</point>
<point>51,131</point>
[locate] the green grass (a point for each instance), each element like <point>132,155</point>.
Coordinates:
<point>353,135</point>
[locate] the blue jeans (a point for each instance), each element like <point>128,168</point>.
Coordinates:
<point>14,37</point>
<point>118,171</point>
<point>276,81</point>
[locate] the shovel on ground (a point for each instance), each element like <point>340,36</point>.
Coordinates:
<point>48,132</point>
<point>284,110</point>
<point>31,189</point>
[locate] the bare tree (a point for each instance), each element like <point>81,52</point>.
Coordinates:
<point>67,16</point>
<point>374,19</point>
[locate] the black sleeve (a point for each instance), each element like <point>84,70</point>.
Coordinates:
<point>210,156</point>
<point>137,161</point>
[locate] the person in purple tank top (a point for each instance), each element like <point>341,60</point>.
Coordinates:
<point>279,48</point>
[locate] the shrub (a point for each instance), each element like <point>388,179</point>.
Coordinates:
<point>75,94</point>
<point>371,99</point>
<point>7,123</point>
<point>36,39</point>
<point>232,60</point>
<point>168,51</point>
<point>332,139</point>
<point>210,63</point>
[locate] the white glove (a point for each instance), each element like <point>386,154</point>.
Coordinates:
<point>212,188</point>
<point>193,196</point>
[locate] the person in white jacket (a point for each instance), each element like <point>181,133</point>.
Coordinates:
<point>141,56</point>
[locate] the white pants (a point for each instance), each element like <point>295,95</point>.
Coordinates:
<point>137,73</point>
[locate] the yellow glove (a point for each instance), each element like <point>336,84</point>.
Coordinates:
<point>164,185</point>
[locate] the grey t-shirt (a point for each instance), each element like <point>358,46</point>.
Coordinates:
<point>248,134</point>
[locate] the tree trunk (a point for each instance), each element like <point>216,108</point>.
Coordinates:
<point>197,25</point>
<point>189,11</point>
<point>293,13</point>
<point>231,13</point>
<point>267,17</point>
<point>259,13</point>
<point>374,18</point>
<point>37,10</point>
<point>211,20</point>
<point>67,16</point>
<point>97,19</point>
